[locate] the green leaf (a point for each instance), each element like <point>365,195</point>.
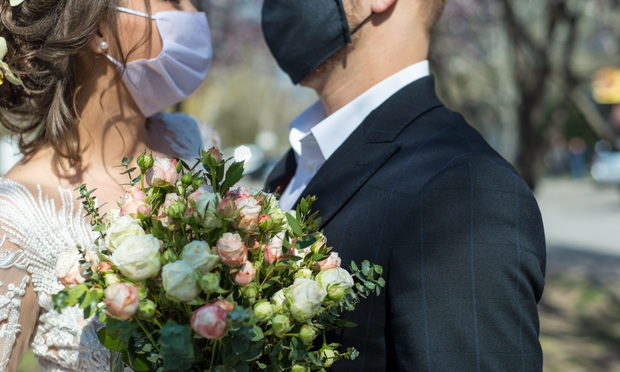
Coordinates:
<point>176,346</point>
<point>354,266</point>
<point>233,175</point>
<point>258,334</point>
<point>294,224</point>
<point>99,227</point>
<point>303,206</point>
<point>239,344</point>
<point>114,344</point>
<point>116,362</point>
<point>137,362</point>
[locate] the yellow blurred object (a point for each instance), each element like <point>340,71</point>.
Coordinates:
<point>606,85</point>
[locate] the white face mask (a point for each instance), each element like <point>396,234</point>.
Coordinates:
<point>182,65</point>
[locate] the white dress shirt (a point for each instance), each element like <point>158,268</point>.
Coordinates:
<point>314,136</point>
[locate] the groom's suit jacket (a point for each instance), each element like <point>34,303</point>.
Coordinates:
<point>416,190</point>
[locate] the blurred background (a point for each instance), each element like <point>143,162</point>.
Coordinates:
<point>522,72</point>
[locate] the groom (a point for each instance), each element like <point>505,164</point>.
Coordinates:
<point>407,184</point>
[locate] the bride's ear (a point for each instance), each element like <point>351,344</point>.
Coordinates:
<point>98,43</point>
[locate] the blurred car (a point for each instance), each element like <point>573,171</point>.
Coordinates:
<point>606,167</point>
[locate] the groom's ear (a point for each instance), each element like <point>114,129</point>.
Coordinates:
<point>380,6</point>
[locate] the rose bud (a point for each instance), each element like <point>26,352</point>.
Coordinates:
<point>210,283</point>
<point>232,250</point>
<point>145,162</point>
<point>335,282</point>
<point>328,356</point>
<point>162,214</point>
<point>226,207</point>
<point>265,222</point>
<point>105,267</point>
<point>331,262</point>
<point>111,278</point>
<point>245,275</point>
<point>250,292</point>
<point>263,310</point>
<point>122,300</point>
<point>187,179</point>
<point>273,249</point>
<point>163,173</point>
<point>307,334</point>
<point>209,321</point>
<point>147,308</point>
<point>280,324</point>
<point>299,368</point>
<point>134,202</point>
<point>212,158</point>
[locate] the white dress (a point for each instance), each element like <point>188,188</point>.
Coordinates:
<point>38,237</point>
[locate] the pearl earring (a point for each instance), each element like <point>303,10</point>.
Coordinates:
<point>104,45</point>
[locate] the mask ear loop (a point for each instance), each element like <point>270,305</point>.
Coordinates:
<point>134,12</point>
<point>362,23</point>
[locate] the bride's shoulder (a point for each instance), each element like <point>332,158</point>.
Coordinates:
<point>184,132</point>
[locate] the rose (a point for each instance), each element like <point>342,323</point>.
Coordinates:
<point>331,262</point>
<point>209,282</point>
<point>303,273</point>
<point>203,189</point>
<point>335,282</point>
<point>68,268</point>
<point>305,297</point>
<point>122,300</point>
<point>232,250</point>
<point>162,214</point>
<point>206,205</point>
<point>245,275</point>
<point>280,324</point>
<point>198,255</point>
<point>120,229</point>
<point>179,281</point>
<point>226,207</point>
<point>308,333</point>
<point>138,257</point>
<point>227,306</point>
<point>134,202</point>
<point>273,249</point>
<point>163,173</point>
<point>247,219</point>
<point>278,300</point>
<point>209,321</point>
<point>263,310</point>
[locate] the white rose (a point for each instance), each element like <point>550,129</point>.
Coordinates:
<point>138,257</point>
<point>120,228</point>
<point>198,255</point>
<point>179,280</point>
<point>277,300</point>
<point>305,297</point>
<point>335,282</point>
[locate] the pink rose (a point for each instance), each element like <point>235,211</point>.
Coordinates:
<point>209,321</point>
<point>122,300</point>
<point>134,202</point>
<point>162,217</point>
<point>245,275</point>
<point>105,267</point>
<point>68,268</point>
<point>331,262</point>
<point>273,249</point>
<point>227,306</point>
<point>226,207</point>
<point>232,250</point>
<point>249,211</point>
<point>201,190</point>
<point>163,172</point>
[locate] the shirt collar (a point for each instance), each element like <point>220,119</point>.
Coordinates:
<point>331,131</point>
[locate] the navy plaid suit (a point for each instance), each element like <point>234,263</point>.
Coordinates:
<point>458,233</point>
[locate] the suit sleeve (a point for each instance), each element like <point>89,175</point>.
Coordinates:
<point>466,274</point>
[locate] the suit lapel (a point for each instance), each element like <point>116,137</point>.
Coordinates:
<point>368,148</point>
<point>281,173</point>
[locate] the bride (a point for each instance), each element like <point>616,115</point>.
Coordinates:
<point>80,84</point>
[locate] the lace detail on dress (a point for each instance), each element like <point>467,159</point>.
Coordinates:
<point>9,310</point>
<point>62,341</point>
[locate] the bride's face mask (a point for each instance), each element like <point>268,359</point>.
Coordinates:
<point>160,82</point>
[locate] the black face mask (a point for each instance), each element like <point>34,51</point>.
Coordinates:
<point>302,34</point>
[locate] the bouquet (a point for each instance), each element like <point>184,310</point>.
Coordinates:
<point>192,274</point>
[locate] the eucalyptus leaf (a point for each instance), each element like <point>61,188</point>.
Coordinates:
<point>294,224</point>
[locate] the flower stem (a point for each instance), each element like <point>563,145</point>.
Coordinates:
<point>148,334</point>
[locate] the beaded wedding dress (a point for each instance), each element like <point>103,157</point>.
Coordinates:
<point>39,233</point>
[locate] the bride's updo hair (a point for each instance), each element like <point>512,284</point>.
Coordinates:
<point>45,39</point>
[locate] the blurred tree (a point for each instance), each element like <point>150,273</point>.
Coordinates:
<point>516,69</point>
